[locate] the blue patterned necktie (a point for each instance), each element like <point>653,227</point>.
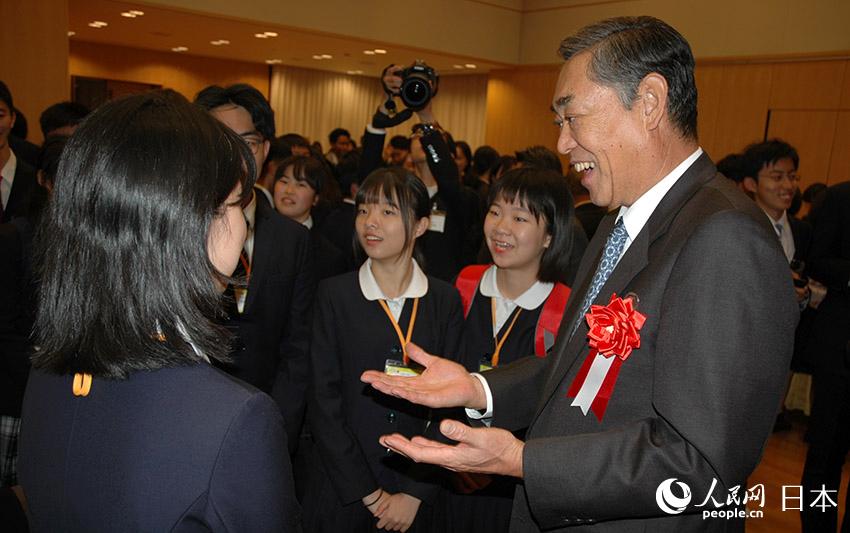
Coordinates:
<point>610,255</point>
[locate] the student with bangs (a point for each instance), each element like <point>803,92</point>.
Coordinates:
<point>513,308</point>
<point>299,181</point>
<point>126,426</point>
<point>365,319</point>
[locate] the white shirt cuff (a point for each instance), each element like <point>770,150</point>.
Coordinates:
<point>375,131</point>
<point>475,414</point>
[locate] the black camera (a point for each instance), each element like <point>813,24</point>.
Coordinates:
<point>419,84</point>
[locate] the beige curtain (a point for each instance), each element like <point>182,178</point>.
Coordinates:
<point>314,102</point>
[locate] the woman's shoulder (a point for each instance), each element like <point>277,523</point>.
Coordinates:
<point>346,282</point>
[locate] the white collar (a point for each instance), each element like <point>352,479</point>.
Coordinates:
<point>636,215</point>
<point>308,223</point>
<point>417,288</point>
<point>532,298</point>
<point>782,221</point>
<point>250,211</point>
<point>348,201</point>
<point>433,190</point>
<point>9,169</point>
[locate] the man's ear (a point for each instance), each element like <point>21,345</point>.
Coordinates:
<point>653,99</point>
<point>750,185</point>
<point>315,200</point>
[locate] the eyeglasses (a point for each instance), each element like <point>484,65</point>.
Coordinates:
<point>254,143</point>
<point>777,176</point>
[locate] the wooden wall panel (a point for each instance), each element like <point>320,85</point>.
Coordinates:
<point>839,161</point>
<point>185,74</point>
<point>845,88</point>
<point>742,115</point>
<point>709,81</point>
<point>34,56</point>
<point>807,85</point>
<point>811,133</point>
<point>518,108</point>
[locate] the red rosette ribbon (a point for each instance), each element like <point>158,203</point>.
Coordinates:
<point>613,334</point>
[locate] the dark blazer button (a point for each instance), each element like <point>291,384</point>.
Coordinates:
<point>391,417</point>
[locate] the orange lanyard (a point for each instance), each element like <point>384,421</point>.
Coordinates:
<point>243,258</point>
<point>401,338</point>
<point>494,361</point>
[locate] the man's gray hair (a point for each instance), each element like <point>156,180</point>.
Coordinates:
<point>625,49</point>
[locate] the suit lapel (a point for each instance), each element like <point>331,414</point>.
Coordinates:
<point>569,350</point>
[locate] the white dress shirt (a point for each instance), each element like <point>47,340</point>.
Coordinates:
<point>8,177</point>
<point>783,230</point>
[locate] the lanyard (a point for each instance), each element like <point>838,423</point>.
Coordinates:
<point>243,258</point>
<point>494,361</point>
<point>401,338</point>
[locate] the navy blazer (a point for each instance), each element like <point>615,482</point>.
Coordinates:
<point>176,449</point>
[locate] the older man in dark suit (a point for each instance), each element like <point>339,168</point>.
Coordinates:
<point>651,400</point>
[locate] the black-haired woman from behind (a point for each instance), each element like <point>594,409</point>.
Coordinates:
<point>126,426</point>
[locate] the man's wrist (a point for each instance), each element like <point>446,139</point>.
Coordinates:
<point>479,400</point>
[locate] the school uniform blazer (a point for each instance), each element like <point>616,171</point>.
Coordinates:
<point>695,402</point>
<point>24,186</point>
<point>274,330</point>
<point>177,449</point>
<point>351,335</point>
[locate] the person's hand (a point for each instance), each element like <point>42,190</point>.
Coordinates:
<point>397,512</point>
<point>802,292</point>
<point>482,450</point>
<point>391,78</point>
<point>374,500</point>
<point>443,383</point>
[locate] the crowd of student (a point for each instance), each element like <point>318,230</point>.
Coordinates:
<point>165,245</point>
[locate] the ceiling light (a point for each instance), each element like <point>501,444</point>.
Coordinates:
<point>261,36</point>
<point>128,15</point>
<point>369,52</point>
<point>379,51</point>
<point>98,24</point>
<point>136,12</point>
<point>179,49</point>
<point>327,56</point>
<point>71,33</point>
<point>457,66</point>
<point>354,72</point>
<point>471,65</point>
<point>271,34</point>
<point>219,42</point>
<point>317,56</point>
<point>274,61</point>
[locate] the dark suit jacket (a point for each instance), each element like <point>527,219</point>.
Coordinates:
<point>24,186</point>
<point>273,332</point>
<point>829,263</point>
<point>177,449</point>
<point>802,232</point>
<point>16,314</point>
<point>695,402</point>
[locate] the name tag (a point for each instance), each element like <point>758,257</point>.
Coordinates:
<point>438,221</point>
<point>484,364</point>
<point>394,367</point>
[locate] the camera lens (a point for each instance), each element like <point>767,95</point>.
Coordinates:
<point>415,92</point>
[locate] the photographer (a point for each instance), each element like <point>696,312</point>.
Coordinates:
<point>443,243</point>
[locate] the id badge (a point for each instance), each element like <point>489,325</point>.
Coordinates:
<point>394,367</point>
<point>241,294</point>
<point>484,364</point>
<point>438,221</point>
